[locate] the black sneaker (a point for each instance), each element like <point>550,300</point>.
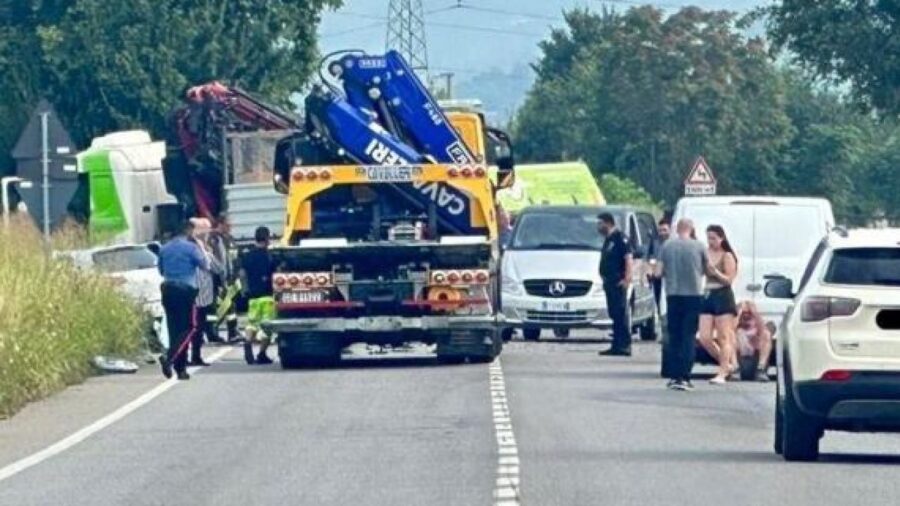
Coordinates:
<point>199,362</point>
<point>263,359</point>
<point>612,352</point>
<point>165,366</point>
<point>248,353</point>
<point>183,375</point>
<point>678,385</point>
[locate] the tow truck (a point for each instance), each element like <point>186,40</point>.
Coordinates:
<point>391,231</point>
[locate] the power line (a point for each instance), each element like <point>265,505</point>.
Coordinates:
<point>465,6</point>
<point>360,28</point>
<point>455,26</point>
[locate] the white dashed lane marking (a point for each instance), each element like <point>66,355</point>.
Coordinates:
<point>506,492</point>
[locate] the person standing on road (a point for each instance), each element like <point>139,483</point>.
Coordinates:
<point>257,268</point>
<point>656,282</point>
<point>203,306</point>
<point>717,318</point>
<point>682,264</point>
<point>179,261</point>
<point>615,270</point>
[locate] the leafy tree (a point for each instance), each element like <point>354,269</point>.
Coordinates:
<point>108,65</point>
<point>641,94</point>
<point>619,190</point>
<point>844,41</point>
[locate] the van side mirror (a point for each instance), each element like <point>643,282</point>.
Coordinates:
<point>779,288</point>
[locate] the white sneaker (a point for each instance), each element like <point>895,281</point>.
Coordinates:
<point>717,380</point>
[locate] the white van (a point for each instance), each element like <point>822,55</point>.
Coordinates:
<point>771,235</point>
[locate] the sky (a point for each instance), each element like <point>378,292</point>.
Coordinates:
<point>495,36</point>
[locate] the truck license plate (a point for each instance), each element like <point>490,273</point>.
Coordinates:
<point>302,297</point>
<point>555,306</point>
<point>391,173</point>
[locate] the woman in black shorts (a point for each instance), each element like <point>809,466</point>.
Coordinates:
<point>719,308</point>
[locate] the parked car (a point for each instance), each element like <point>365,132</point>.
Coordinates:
<point>550,271</point>
<point>839,351</point>
<point>770,235</point>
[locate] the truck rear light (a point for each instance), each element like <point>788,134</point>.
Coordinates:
<point>323,280</point>
<point>294,280</point>
<point>312,175</point>
<point>453,277</point>
<point>836,375</point>
<point>482,277</point>
<point>466,172</point>
<point>816,309</point>
<point>297,175</point>
<point>325,175</point>
<point>308,279</point>
<point>439,278</point>
<point>453,172</point>
<point>480,172</point>
<point>468,277</point>
<point>279,281</point>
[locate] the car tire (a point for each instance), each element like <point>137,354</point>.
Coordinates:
<point>531,334</point>
<point>561,333</point>
<point>649,330</point>
<point>800,432</point>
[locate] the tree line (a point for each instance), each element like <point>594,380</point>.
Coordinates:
<point>114,64</point>
<point>640,94</point>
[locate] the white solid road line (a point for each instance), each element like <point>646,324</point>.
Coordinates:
<point>77,437</point>
<point>506,492</point>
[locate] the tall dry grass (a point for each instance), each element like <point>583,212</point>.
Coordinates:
<point>54,319</point>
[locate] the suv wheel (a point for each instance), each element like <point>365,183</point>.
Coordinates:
<point>531,334</point>
<point>800,432</point>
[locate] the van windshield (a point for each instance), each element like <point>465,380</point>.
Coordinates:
<point>557,230</point>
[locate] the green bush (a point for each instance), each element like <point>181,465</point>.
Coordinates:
<point>53,320</point>
<point>620,190</point>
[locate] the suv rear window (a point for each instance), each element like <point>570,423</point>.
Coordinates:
<point>864,266</point>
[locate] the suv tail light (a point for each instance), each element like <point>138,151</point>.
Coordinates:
<point>836,375</point>
<point>816,309</point>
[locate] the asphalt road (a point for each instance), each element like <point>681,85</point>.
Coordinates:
<point>587,430</point>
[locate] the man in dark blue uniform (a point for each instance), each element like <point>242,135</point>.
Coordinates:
<point>615,270</point>
<point>179,260</point>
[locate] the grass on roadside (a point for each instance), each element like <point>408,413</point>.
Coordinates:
<point>53,320</point>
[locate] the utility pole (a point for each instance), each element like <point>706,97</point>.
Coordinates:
<point>45,166</point>
<point>406,34</point>
<point>448,83</point>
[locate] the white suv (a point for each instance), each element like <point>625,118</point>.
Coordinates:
<point>839,351</point>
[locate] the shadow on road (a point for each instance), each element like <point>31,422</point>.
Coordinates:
<point>856,458</point>
<point>234,366</point>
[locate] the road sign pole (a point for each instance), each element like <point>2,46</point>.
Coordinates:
<point>45,165</point>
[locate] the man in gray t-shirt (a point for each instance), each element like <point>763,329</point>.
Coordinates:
<point>682,263</point>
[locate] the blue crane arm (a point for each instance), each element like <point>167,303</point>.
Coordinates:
<point>387,86</point>
<point>364,140</point>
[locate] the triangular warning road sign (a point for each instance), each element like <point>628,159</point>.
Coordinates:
<point>700,174</point>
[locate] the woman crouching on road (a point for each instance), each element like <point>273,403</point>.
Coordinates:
<point>754,337</point>
<point>717,317</point>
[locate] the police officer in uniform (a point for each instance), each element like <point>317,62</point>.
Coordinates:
<point>615,270</point>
